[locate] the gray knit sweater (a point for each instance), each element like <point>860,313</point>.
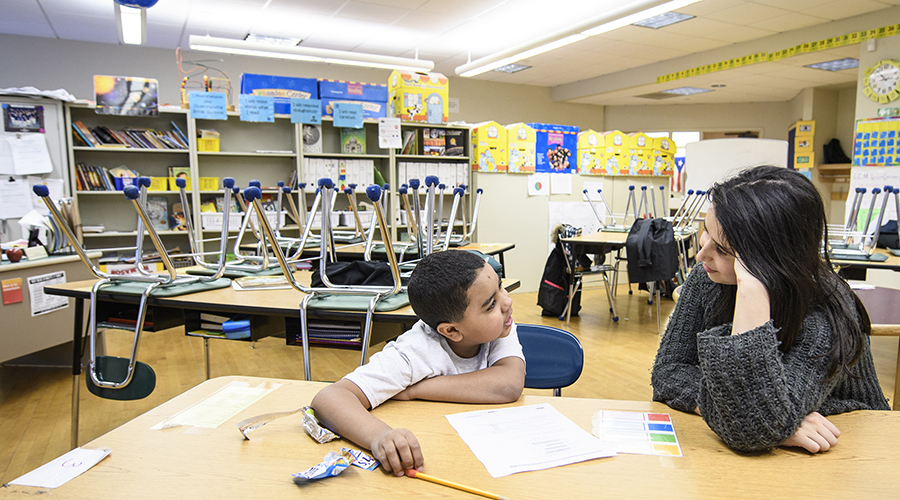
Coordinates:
<point>751,394</point>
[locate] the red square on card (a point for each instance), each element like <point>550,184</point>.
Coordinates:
<point>659,417</point>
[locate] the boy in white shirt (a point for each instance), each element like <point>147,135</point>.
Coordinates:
<point>463,349</point>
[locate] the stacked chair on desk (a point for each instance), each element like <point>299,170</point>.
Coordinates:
<point>126,378</point>
<point>375,294</point>
<point>860,245</point>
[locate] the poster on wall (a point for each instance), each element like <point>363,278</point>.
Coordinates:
<point>21,118</point>
<point>125,95</point>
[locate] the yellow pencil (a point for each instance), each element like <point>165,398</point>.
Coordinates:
<point>416,474</point>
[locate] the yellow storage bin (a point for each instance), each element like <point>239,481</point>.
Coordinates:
<point>416,97</point>
<point>207,144</point>
<point>158,184</point>
<point>209,184</point>
<point>617,147</point>
<point>663,156</point>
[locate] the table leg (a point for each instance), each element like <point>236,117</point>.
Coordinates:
<point>894,404</point>
<point>206,350</point>
<point>502,266</point>
<point>76,367</point>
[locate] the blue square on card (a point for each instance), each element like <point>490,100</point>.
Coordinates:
<point>884,134</point>
<point>660,427</point>
<point>882,143</point>
<point>892,133</point>
<point>866,136</point>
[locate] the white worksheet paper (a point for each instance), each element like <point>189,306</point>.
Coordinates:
<point>219,407</point>
<point>525,438</point>
<point>58,472</point>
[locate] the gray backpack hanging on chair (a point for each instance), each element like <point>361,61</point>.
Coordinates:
<point>651,250</point>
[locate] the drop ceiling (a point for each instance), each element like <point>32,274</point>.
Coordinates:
<point>610,69</point>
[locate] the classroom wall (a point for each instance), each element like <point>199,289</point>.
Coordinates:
<point>50,64</point>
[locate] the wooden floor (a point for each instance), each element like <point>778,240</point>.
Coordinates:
<point>35,403</point>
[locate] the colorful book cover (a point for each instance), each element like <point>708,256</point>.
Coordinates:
<point>158,212</point>
<point>353,141</point>
<point>410,142</point>
<point>177,221</point>
<point>454,142</point>
<point>184,172</point>
<point>433,141</point>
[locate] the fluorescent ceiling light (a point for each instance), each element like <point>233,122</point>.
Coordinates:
<point>512,68</point>
<point>308,54</point>
<point>275,40</point>
<point>685,91</point>
<point>836,65</point>
<point>663,20</point>
<point>630,13</point>
<point>132,23</point>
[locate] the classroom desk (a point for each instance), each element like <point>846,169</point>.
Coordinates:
<point>856,269</point>
<point>219,463</point>
<point>269,310</point>
<point>883,306</point>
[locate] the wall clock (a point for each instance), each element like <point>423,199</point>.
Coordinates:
<point>882,80</point>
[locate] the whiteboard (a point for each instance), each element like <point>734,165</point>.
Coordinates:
<point>574,213</point>
<point>714,160</point>
<point>868,178</point>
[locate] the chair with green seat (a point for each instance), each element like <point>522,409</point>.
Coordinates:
<point>369,295</point>
<point>126,378</point>
<point>554,358</point>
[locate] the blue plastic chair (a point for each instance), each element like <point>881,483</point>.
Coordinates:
<point>553,357</point>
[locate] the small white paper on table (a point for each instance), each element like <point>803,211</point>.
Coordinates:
<point>525,438</point>
<point>219,407</point>
<point>63,469</point>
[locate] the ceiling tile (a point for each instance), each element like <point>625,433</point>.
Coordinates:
<point>370,12</point>
<point>842,9</point>
<point>739,34</point>
<point>747,13</point>
<point>789,22</point>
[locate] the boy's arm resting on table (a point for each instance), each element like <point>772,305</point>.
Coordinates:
<point>501,382</point>
<point>343,408</point>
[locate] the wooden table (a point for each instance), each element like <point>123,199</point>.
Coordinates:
<point>219,463</point>
<point>270,311</point>
<point>856,269</point>
<point>883,306</point>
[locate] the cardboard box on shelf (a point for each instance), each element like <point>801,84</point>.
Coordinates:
<point>522,142</point>
<point>489,143</point>
<point>639,149</point>
<point>616,152</point>
<point>416,97</point>
<point>663,156</point>
<point>555,147</point>
<point>592,153</point>
<point>282,88</point>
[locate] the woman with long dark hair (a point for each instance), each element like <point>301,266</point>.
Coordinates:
<point>766,339</point>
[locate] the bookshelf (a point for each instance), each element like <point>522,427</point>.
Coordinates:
<point>107,207</point>
<point>268,152</point>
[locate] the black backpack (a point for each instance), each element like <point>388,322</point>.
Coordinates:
<point>834,153</point>
<point>553,293</point>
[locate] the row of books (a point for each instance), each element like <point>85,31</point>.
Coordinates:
<point>93,178</point>
<point>229,327</point>
<point>142,138</point>
<point>434,142</point>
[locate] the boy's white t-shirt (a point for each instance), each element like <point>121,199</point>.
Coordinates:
<point>422,353</point>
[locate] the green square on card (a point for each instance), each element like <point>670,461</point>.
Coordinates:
<point>663,438</point>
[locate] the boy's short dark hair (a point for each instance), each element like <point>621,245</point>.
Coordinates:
<point>439,285</point>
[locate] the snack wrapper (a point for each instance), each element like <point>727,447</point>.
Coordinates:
<point>332,465</point>
<point>312,427</point>
<point>362,459</point>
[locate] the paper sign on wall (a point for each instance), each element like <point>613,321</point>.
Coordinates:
<point>307,111</point>
<point>389,133</point>
<point>348,115</point>
<point>257,108</point>
<point>208,105</point>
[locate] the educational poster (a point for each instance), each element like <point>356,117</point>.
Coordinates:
<point>637,432</point>
<point>877,142</point>
<point>123,95</point>
<point>41,303</point>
